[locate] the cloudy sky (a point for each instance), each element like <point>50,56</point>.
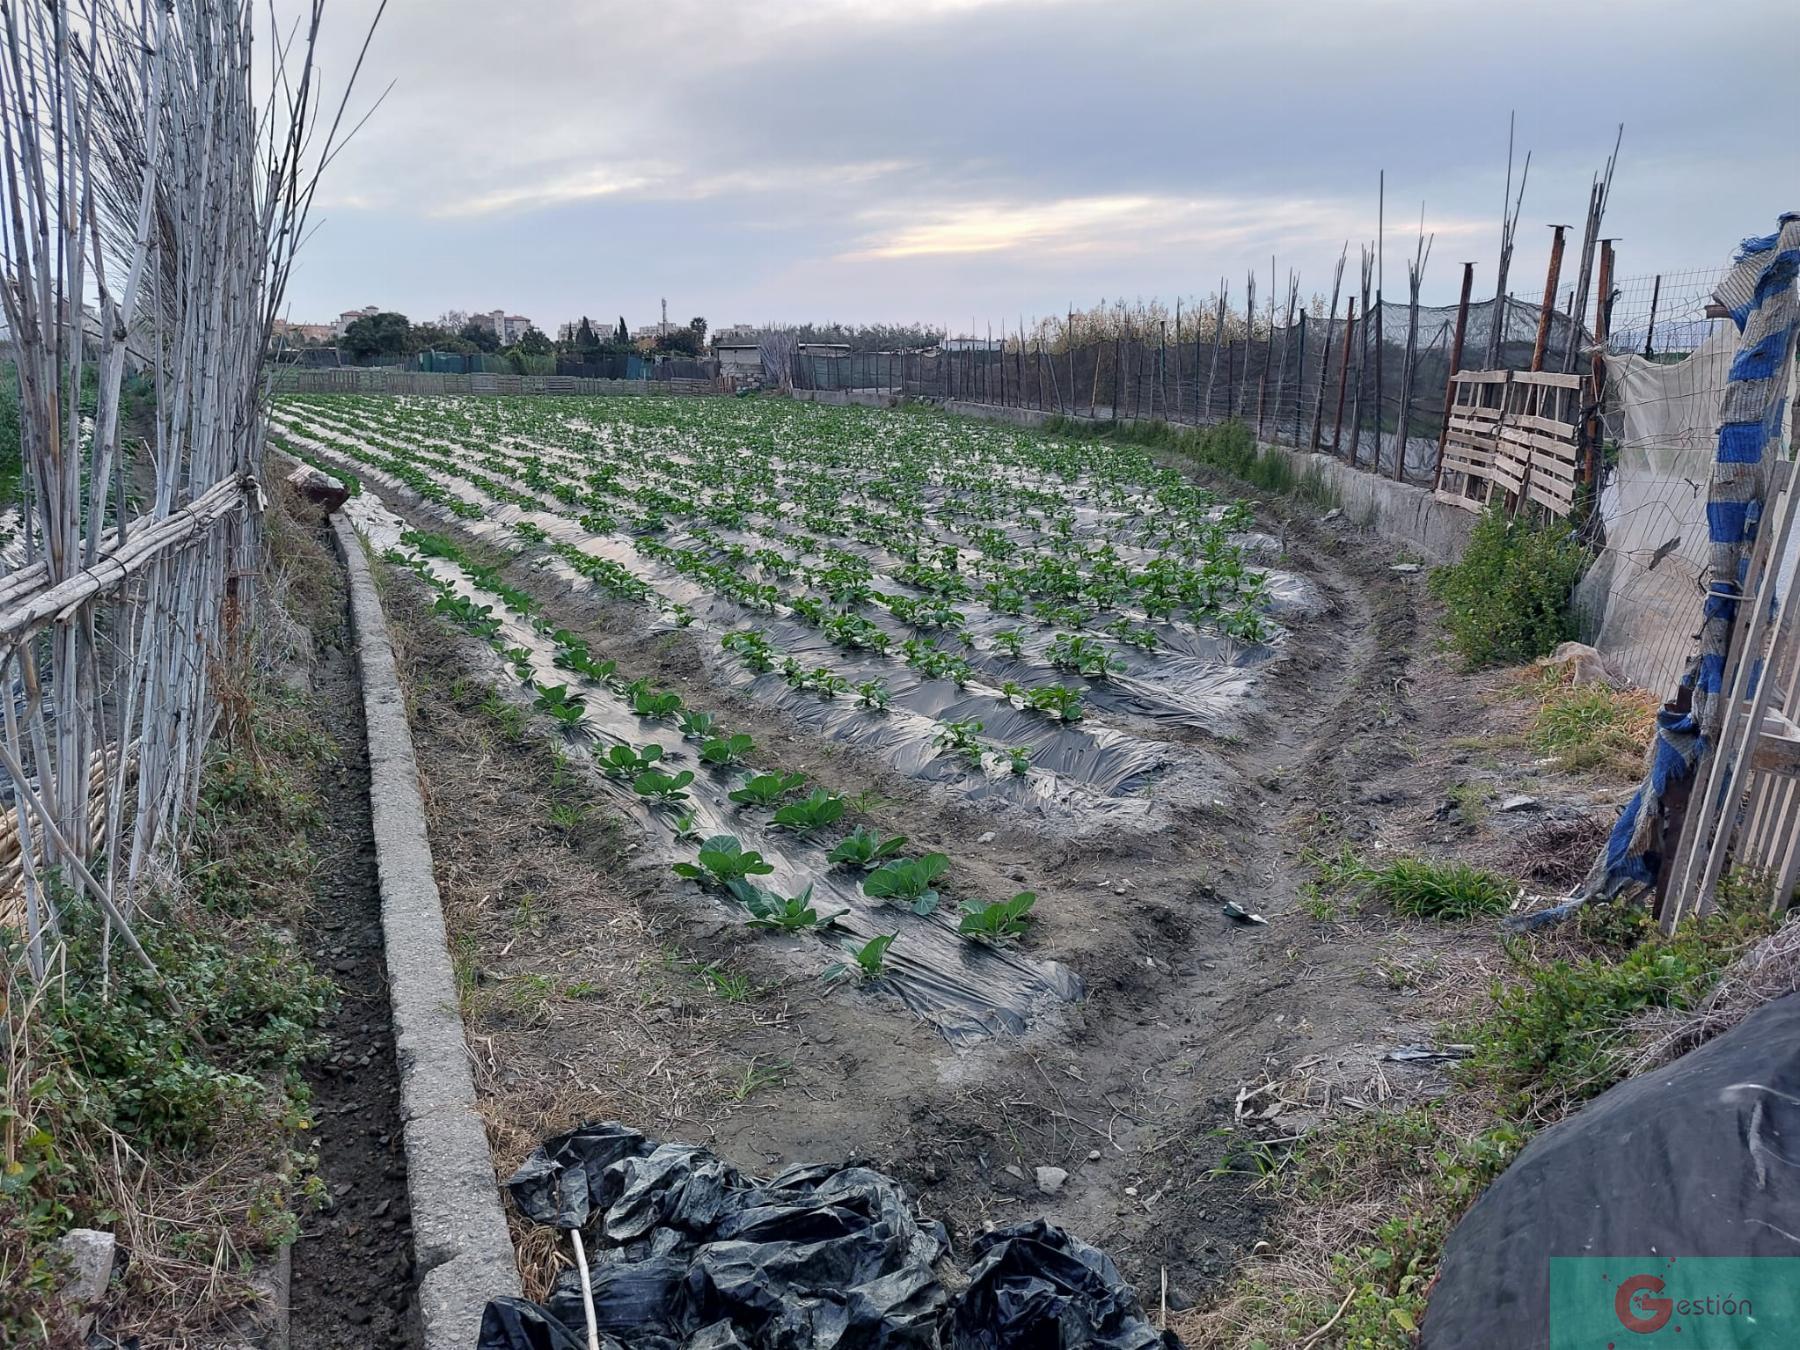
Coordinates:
<point>968,161</point>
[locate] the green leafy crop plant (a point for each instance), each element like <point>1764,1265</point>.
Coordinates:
<point>997,923</point>
<point>867,963</point>
<point>697,725</point>
<point>621,761</point>
<point>726,751</point>
<point>1085,655</point>
<point>819,809</point>
<point>663,788</point>
<point>655,706</point>
<point>962,737</point>
<point>766,789</point>
<point>560,703</point>
<point>786,914</point>
<point>865,848</point>
<point>721,861</point>
<point>909,881</point>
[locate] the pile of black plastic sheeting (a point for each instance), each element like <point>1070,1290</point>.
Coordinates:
<point>687,1253</point>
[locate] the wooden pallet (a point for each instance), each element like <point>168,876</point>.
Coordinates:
<point>1539,441</point>
<point>1472,437</point>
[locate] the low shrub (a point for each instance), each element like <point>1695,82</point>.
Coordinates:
<point>1422,888</point>
<point>1229,447</point>
<point>1508,598</point>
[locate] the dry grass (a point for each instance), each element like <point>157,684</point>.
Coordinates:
<point>1588,728</point>
<point>1334,1193</point>
<point>1767,971</point>
<point>198,1220</point>
<point>1558,853</point>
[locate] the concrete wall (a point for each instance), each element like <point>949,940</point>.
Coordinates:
<point>377,380</point>
<point>1399,511</point>
<point>838,398</point>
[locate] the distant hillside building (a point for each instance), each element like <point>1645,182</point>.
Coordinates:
<point>506,328</point>
<point>971,344</point>
<point>350,316</point>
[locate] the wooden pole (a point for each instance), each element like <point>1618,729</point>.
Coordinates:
<point>1243,389</point>
<point>1162,366</point>
<point>1175,412</point>
<point>1118,389</point>
<point>1415,277</point>
<point>1362,364</point>
<point>1300,379</point>
<point>1456,355</point>
<point>1337,429</point>
<point>1212,370</point>
<point>1380,309</point>
<point>1337,281</point>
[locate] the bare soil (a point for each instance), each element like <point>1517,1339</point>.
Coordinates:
<point>352,1279</point>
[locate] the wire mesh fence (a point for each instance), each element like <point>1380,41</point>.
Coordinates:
<point>1337,384</point>
<point>1667,365</point>
<point>1326,381</point>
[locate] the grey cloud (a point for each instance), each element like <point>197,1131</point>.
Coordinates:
<point>792,156</point>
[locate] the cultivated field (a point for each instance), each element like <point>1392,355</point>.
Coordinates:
<point>950,742</point>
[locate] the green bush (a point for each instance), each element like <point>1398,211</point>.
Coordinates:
<point>1424,888</point>
<point>1508,598</point>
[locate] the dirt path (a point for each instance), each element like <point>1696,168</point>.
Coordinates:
<point>352,1267</point>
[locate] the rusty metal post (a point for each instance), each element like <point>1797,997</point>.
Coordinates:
<point>1456,354</point>
<point>1548,307</point>
<point>1337,429</point>
<point>1602,331</point>
<point>1650,332</point>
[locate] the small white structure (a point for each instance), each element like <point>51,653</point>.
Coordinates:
<point>739,358</point>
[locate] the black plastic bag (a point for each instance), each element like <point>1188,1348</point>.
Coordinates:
<point>1033,1285</point>
<point>686,1253</point>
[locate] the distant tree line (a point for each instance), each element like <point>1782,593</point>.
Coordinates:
<point>392,336</point>
<point>582,340</point>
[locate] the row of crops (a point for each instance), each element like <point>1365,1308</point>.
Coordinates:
<point>1000,613</point>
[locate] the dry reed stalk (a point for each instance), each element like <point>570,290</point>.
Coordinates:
<point>137,167</point>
